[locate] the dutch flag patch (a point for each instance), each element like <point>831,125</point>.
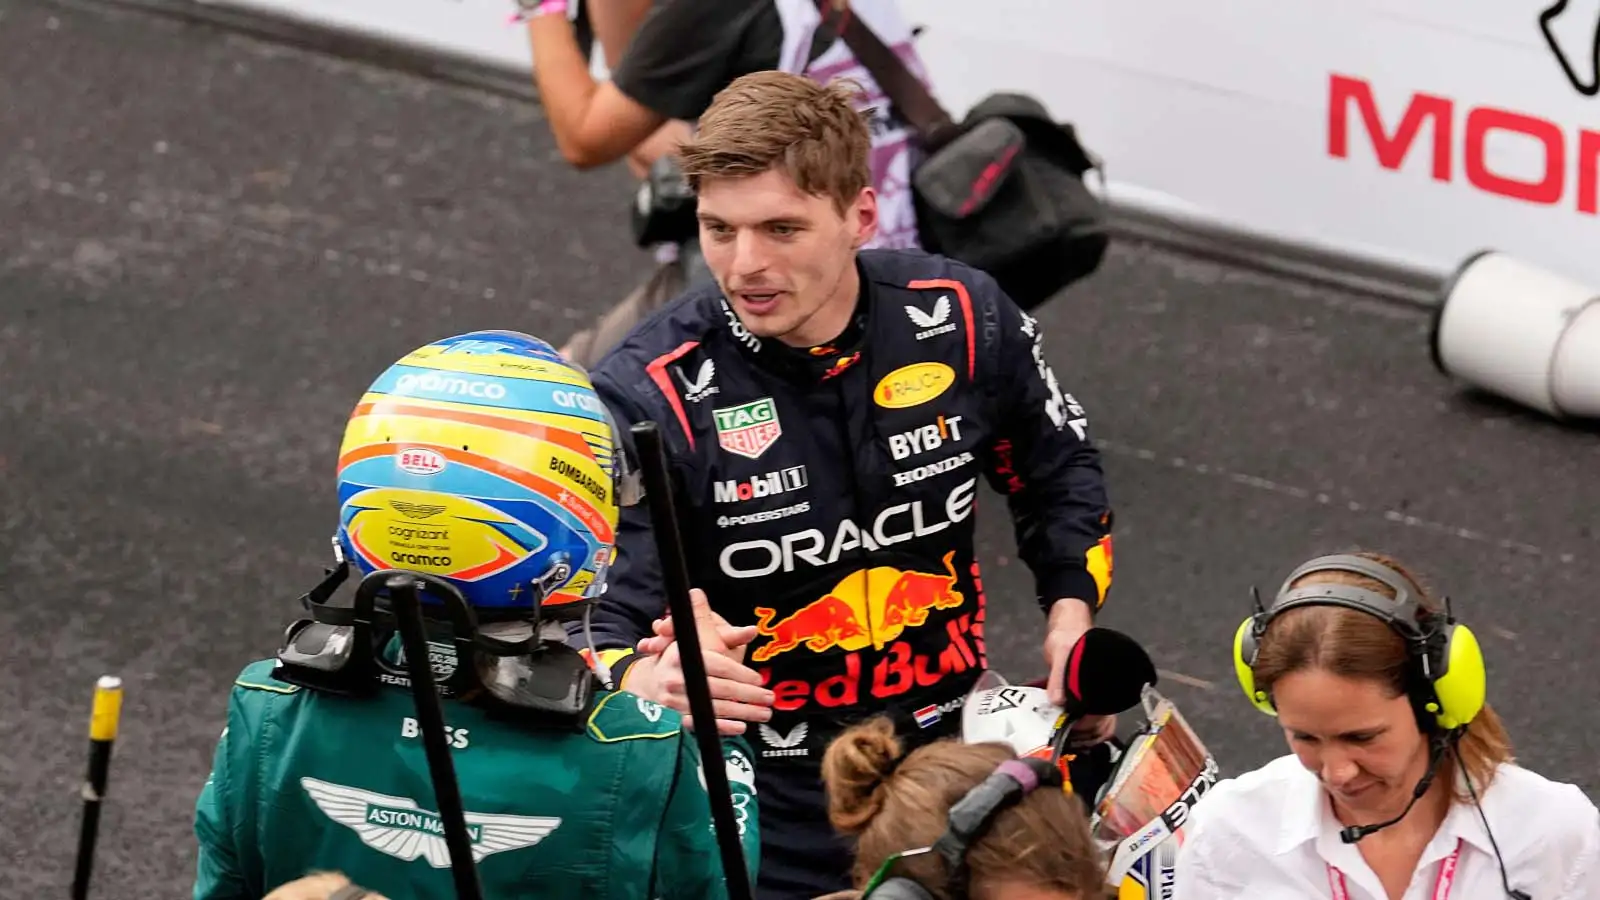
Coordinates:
<point>927,715</point>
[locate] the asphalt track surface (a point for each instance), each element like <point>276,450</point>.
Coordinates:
<point>210,245</point>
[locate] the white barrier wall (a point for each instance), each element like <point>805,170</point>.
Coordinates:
<point>479,29</point>
<point>1414,131</point>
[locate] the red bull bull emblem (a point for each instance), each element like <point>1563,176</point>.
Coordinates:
<point>841,364</point>
<point>868,608</point>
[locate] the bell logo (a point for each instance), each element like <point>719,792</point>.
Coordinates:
<point>420,461</point>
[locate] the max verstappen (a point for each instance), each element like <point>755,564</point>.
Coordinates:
<point>828,412</point>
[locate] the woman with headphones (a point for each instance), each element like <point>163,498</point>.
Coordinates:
<point>1400,785</point>
<point>951,821</point>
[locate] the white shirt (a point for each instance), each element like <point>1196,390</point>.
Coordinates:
<point>1271,835</point>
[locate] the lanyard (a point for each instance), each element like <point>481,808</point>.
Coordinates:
<point>1441,887</point>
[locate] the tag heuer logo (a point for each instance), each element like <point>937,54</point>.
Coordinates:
<point>748,429</point>
<point>400,828</point>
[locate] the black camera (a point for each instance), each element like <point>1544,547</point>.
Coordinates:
<point>664,206</point>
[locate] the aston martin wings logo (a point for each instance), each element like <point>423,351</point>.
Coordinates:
<point>416,510</point>
<point>400,828</point>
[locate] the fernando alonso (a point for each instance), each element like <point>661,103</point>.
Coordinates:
<point>828,412</point>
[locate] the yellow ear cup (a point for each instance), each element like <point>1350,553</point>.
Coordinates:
<point>1464,684</point>
<point>1243,652</point>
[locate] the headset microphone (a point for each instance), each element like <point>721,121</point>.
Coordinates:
<point>1356,832</point>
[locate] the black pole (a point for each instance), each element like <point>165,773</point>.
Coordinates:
<point>675,573</point>
<point>104,718</point>
<point>430,721</point>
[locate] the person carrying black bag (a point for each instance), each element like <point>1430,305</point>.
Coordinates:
<point>1003,189</point>
<point>686,50</point>
<point>682,53</point>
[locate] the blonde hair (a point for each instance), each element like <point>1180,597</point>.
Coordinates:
<point>1353,644</point>
<point>765,120</point>
<point>1042,841</point>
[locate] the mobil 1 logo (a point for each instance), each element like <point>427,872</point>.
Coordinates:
<point>770,484</point>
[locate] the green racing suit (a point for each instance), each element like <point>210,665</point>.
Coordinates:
<point>304,781</point>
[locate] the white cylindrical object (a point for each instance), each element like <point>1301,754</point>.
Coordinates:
<point>1575,374</point>
<point>1521,332</point>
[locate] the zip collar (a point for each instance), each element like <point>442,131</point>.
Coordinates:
<point>806,364</point>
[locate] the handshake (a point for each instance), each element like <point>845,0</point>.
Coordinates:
<point>737,694</point>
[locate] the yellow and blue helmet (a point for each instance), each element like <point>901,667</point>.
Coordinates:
<point>487,461</point>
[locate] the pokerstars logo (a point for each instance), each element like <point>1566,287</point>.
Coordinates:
<point>767,485</point>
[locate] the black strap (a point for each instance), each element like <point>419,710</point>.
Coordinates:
<point>316,599</point>
<point>908,94</point>
<point>972,815</point>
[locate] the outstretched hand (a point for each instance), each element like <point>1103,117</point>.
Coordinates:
<point>736,692</point>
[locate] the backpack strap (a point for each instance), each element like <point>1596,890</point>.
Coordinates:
<point>905,90</point>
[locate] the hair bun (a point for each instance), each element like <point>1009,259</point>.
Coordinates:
<point>855,768</point>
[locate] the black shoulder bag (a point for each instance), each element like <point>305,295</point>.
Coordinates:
<point>1003,189</point>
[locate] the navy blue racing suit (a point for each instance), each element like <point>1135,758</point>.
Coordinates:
<point>827,495</point>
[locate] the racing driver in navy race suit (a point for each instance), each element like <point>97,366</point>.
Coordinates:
<point>828,412</point>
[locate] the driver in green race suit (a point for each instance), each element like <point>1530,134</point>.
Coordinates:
<point>483,466</point>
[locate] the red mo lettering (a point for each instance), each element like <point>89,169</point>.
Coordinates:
<point>1478,130</point>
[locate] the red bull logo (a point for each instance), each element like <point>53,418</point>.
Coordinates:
<point>899,669</point>
<point>868,608</point>
<point>839,365</point>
